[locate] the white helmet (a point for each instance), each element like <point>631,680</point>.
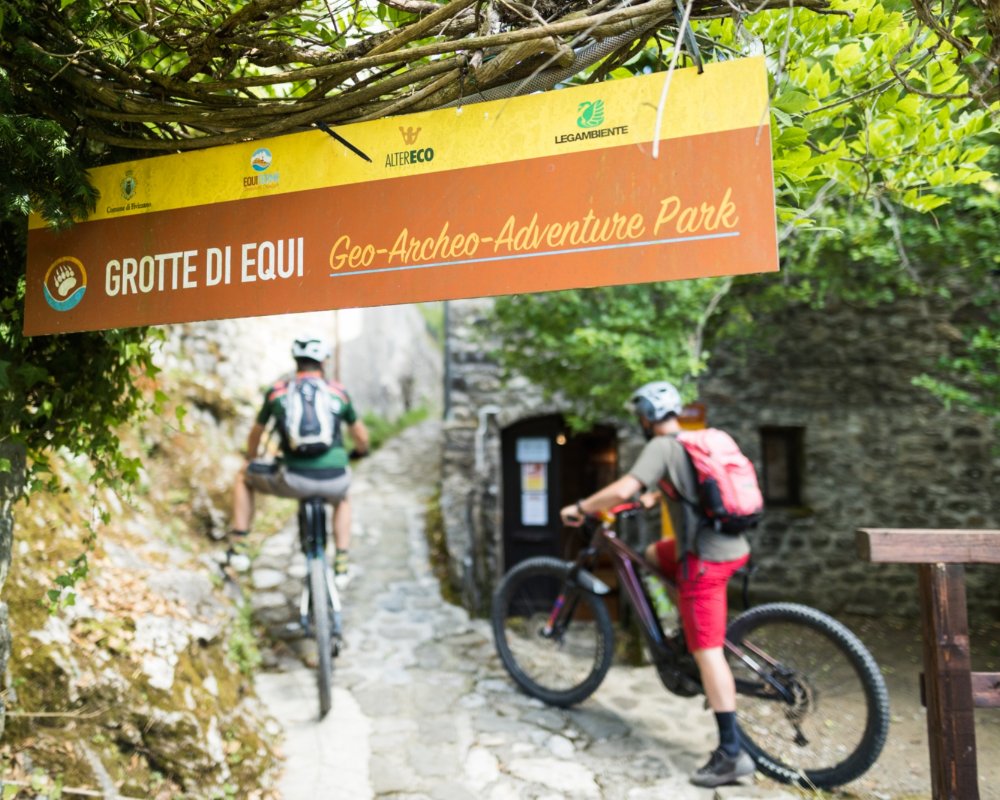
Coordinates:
<point>656,400</point>
<point>311,347</point>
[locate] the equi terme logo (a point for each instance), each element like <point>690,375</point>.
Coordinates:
<point>590,117</point>
<point>260,163</point>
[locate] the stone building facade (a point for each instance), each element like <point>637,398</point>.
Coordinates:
<point>841,438</point>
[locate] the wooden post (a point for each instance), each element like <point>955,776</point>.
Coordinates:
<point>952,691</point>
<point>951,730</point>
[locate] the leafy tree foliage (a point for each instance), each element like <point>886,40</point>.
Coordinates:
<point>56,391</point>
<point>881,141</point>
<point>879,99</point>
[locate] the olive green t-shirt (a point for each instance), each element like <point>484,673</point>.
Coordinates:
<point>274,408</point>
<point>664,458</point>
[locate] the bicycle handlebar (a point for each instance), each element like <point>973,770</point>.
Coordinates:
<point>608,516</point>
<point>625,509</point>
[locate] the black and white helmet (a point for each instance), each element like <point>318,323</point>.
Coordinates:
<point>311,347</point>
<point>656,401</point>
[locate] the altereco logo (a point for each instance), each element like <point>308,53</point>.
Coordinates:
<point>409,134</point>
<point>416,155</point>
<point>590,117</point>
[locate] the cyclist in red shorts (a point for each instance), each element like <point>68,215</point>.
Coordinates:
<point>700,561</point>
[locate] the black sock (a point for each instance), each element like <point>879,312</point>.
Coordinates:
<point>241,534</point>
<point>729,738</point>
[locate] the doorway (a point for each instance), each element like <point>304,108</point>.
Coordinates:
<point>545,467</point>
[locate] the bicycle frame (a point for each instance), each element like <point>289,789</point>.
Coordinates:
<point>313,539</point>
<point>629,565</point>
<point>312,527</point>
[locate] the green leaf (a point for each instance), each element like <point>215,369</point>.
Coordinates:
<point>847,58</point>
<point>792,137</point>
<point>791,101</point>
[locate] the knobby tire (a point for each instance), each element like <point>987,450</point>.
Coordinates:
<point>319,600</point>
<point>837,724</point>
<point>560,671</point>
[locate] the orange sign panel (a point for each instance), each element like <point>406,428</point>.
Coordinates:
<point>550,191</point>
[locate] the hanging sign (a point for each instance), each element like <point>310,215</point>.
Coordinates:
<point>536,193</point>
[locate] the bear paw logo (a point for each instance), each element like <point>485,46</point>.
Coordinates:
<point>65,280</point>
<point>65,283</point>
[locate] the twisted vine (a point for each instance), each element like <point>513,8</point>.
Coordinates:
<point>185,74</point>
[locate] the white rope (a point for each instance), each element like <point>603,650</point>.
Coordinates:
<point>670,75</point>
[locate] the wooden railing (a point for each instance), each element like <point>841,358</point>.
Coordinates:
<point>951,690</point>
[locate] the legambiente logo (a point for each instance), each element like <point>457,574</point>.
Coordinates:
<point>590,117</point>
<point>65,283</point>
<point>591,114</point>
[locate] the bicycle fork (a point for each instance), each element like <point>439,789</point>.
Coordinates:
<point>305,600</point>
<point>578,580</point>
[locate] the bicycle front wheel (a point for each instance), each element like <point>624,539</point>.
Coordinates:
<point>554,639</point>
<point>319,606</point>
<point>813,708</point>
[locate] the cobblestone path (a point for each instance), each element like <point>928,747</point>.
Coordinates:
<point>423,709</point>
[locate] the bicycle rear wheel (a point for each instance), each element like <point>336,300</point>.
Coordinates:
<point>319,603</point>
<point>554,639</point>
<point>815,712</point>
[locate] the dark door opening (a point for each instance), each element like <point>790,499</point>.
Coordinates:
<point>545,467</point>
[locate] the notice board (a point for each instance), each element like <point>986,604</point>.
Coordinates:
<point>536,193</point>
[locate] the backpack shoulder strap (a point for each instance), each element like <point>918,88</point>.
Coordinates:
<point>279,389</point>
<point>338,390</point>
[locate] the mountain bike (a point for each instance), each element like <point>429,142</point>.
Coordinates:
<point>319,606</point>
<point>812,708</point>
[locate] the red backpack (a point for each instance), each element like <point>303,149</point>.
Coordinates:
<point>728,491</point>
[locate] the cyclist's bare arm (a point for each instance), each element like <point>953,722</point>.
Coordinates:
<point>359,436</point>
<point>613,494</point>
<point>253,441</point>
<point>650,499</point>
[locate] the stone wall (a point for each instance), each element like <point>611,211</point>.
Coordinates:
<point>879,452</point>
<point>481,403</point>
<point>384,356</point>
<point>11,489</point>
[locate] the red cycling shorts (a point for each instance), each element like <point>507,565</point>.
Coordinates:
<point>701,590</point>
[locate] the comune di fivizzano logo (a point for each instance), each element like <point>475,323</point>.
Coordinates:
<point>65,283</point>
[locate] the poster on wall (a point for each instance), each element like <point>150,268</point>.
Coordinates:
<point>534,508</point>
<point>533,453</point>
<point>548,191</point>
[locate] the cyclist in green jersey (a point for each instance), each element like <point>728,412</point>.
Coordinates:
<point>324,474</point>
